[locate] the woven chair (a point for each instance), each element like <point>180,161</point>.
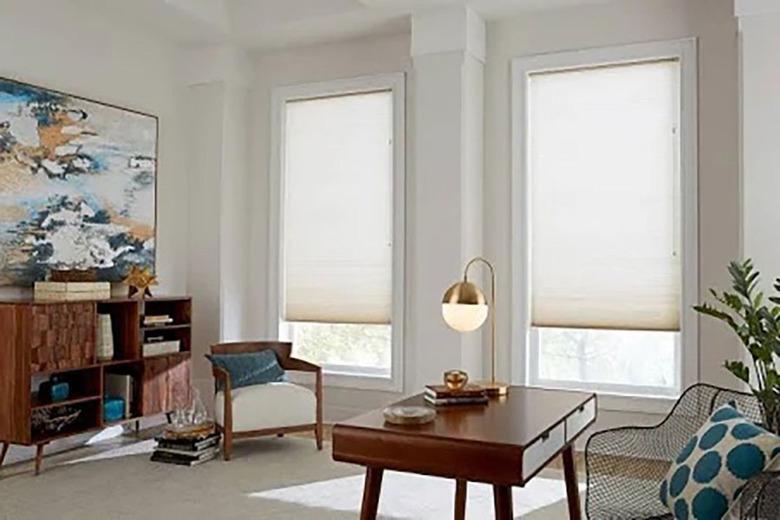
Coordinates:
<point>625,466</point>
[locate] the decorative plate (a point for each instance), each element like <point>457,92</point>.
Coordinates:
<point>406,415</point>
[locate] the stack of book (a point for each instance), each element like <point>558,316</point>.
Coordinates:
<point>186,451</point>
<point>157,320</point>
<point>440,395</point>
<point>159,346</point>
<point>72,291</point>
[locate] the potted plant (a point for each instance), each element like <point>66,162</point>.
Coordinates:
<point>757,323</point>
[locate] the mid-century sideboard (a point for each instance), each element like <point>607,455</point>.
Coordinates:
<point>41,339</point>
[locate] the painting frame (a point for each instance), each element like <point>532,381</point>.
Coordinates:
<point>121,109</point>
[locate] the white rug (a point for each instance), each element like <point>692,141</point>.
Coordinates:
<point>415,497</point>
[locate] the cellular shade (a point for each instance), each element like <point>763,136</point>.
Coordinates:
<point>604,197</point>
<point>337,209</point>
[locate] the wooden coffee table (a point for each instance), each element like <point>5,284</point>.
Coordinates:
<point>505,443</point>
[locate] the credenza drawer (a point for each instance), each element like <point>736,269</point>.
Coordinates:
<point>579,419</point>
<point>542,450</point>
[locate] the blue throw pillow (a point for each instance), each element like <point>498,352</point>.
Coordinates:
<point>252,368</point>
<point>716,463</point>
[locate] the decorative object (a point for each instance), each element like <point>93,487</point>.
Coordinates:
<point>73,275</point>
<point>104,347</point>
<point>121,386</point>
<point>505,444</point>
<point>265,409</point>
<point>192,417</point>
<point>139,280</point>
<point>54,390</point>
<point>54,420</point>
<point>707,475</point>
<point>757,324</point>
<point>250,368</point>
<point>408,415</point>
<point>113,409</point>
<point>465,309</point>
<point>455,379</point>
<point>78,182</point>
<point>649,451</point>
<point>158,348</point>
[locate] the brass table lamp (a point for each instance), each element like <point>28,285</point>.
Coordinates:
<point>464,308</point>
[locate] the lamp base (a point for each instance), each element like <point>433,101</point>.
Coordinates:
<point>494,388</point>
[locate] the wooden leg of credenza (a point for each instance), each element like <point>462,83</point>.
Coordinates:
<point>461,490</point>
<point>572,485</point>
<point>4,452</point>
<point>371,492</point>
<point>38,458</point>
<point>502,498</point>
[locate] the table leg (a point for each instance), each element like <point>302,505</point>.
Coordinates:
<point>38,458</point>
<point>502,498</point>
<point>460,499</point>
<point>371,490</point>
<point>4,452</point>
<point>572,485</point>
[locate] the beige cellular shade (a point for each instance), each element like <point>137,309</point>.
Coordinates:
<point>604,193</point>
<point>337,209</point>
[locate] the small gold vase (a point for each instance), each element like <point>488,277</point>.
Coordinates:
<point>455,379</point>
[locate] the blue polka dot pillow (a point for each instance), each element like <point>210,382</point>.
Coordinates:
<point>708,475</point>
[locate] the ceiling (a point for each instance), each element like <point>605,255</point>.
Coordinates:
<point>269,24</point>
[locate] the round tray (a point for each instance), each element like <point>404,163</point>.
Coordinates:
<point>406,415</point>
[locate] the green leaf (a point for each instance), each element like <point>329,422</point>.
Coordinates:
<point>739,369</point>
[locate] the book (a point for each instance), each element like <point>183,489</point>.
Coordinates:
<point>161,347</point>
<point>442,391</point>
<point>163,319</point>
<point>455,401</point>
<point>191,445</point>
<point>61,296</point>
<point>184,460</point>
<point>72,287</point>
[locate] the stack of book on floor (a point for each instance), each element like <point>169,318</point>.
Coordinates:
<point>186,451</point>
<point>441,395</point>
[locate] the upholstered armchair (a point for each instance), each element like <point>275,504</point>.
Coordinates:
<point>625,466</point>
<point>267,409</point>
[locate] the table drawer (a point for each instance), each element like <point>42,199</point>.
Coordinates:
<point>579,419</point>
<point>542,450</point>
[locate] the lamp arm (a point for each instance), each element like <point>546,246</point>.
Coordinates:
<point>480,259</point>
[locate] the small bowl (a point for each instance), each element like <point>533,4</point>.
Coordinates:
<point>455,379</point>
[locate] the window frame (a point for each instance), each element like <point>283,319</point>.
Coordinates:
<point>395,83</point>
<point>523,354</point>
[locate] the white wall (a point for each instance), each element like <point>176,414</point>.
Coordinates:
<point>52,45</point>
<point>347,59</point>
<point>622,22</point>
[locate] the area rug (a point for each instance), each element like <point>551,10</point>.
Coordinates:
<point>270,479</point>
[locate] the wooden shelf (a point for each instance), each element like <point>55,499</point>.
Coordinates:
<point>168,326</point>
<point>39,405</point>
<point>120,422</point>
<point>117,362</point>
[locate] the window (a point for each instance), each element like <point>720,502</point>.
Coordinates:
<point>605,218</point>
<point>341,207</point>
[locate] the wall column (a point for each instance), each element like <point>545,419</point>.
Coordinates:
<point>759,26</point>
<point>444,187</point>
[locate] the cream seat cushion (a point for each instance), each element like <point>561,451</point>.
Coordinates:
<point>272,405</point>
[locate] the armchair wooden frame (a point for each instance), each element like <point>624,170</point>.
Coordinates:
<point>283,351</point>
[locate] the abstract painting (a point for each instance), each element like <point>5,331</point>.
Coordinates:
<point>77,185</point>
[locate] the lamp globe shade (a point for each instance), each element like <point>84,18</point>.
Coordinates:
<point>464,307</point>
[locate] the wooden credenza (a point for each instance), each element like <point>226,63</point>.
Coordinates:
<point>42,339</point>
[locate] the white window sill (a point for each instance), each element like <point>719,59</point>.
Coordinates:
<point>621,401</point>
